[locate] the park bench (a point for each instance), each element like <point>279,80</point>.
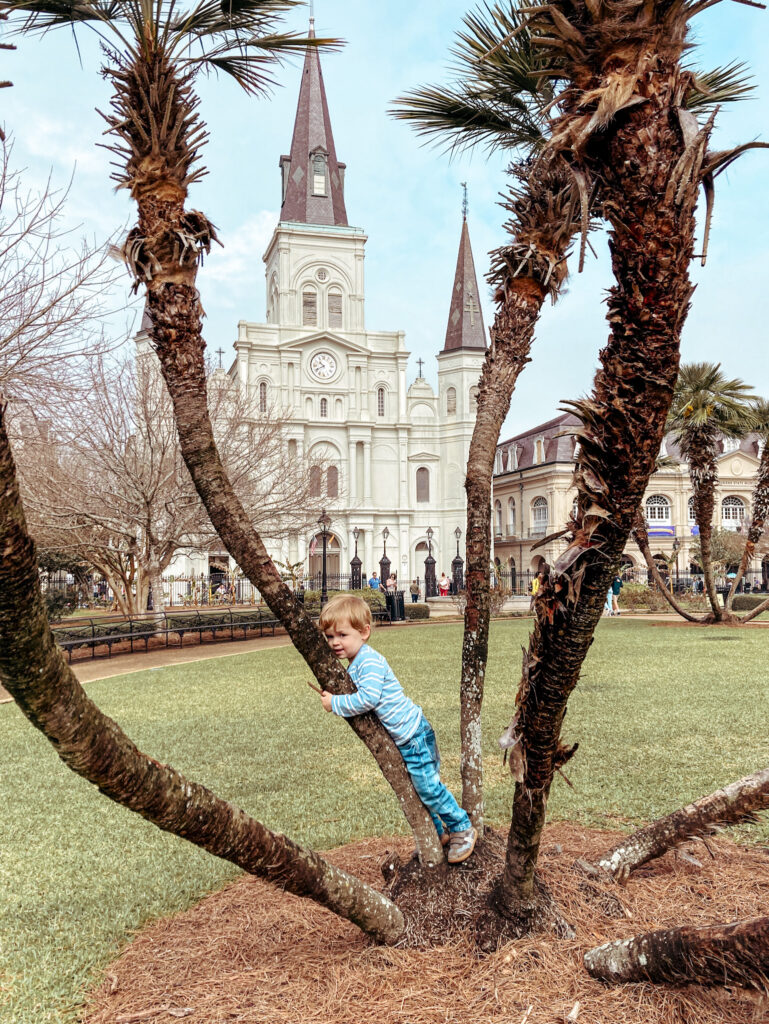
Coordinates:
<point>94,634</point>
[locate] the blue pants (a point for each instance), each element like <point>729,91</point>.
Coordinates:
<point>424,762</point>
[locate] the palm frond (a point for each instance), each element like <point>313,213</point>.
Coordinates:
<point>462,120</point>
<point>728,84</point>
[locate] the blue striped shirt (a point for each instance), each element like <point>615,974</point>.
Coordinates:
<point>378,691</point>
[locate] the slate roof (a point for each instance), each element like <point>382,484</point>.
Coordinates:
<point>465,328</point>
<point>312,135</point>
<point>561,448</point>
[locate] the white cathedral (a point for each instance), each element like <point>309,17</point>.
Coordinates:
<point>394,454</point>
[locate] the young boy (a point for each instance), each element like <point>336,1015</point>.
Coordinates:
<point>346,621</point>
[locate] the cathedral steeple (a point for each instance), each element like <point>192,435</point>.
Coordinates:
<point>312,178</point>
<point>465,328</point>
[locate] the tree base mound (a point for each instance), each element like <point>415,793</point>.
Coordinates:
<point>252,954</point>
<point>459,902</point>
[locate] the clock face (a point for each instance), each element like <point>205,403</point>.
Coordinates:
<point>323,365</point>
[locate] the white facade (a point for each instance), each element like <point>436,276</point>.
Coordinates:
<point>399,451</point>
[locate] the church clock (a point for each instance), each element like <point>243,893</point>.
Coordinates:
<point>323,365</point>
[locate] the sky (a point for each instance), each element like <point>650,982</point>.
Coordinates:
<point>405,195</point>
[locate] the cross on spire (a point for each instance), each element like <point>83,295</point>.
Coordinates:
<point>420,364</point>
<point>220,353</point>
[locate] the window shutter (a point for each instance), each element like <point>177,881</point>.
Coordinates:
<point>334,309</point>
<point>309,309</point>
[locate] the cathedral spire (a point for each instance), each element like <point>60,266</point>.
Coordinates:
<point>465,328</point>
<point>312,178</point>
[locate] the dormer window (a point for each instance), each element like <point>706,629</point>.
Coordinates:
<point>319,176</point>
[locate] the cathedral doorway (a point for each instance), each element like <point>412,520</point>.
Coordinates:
<point>333,556</point>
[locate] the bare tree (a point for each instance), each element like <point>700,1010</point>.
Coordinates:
<point>109,485</point>
<point>52,294</point>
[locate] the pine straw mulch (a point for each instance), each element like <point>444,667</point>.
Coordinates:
<point>252,954</point>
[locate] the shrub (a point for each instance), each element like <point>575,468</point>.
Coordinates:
<point>57,605</point>
<point>373,598</point>
<point>417,611</point>
<point>747,602</point>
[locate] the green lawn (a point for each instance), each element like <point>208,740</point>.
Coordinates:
<point>663,714</point>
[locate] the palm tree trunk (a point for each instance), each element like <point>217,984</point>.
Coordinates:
<point>175,313</point>
<point>760,510</point>
<point>703,475</point>
<point>735,804</point>
<point>624,420</point>
<point>511,339</point>
<point>642,540</point>
<point>724,954</point>
<point>33,670</point>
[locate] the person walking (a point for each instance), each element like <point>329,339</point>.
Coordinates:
<point>414,591</point>
<point>616,586</point>
<point>374,581</point>
<point>443,585</point>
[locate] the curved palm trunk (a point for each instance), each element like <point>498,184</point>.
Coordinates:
<point>642,540</point>
<point>760,509</point>
<point>734,804</point>
<point>624,419</point>
<point>724,954</point>
<point>511,339</point>
<point>175,312</point>
<point>33,670</point>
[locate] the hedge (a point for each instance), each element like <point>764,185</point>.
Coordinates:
<point>747,602</point>
<point>417,611</point>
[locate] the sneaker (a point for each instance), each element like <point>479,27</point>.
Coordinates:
<point>445,839</point>
<point>461,845</point>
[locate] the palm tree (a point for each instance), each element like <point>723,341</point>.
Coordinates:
<point>706,407</point>
<point>153,52</point>
<point>621,126</point>
<point>499,101</point>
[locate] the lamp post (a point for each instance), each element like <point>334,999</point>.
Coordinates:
<point>457,566</point>
<point>355,582</point>
<point>430,588</point>
<point>384,561</point>
<point>324,521</point>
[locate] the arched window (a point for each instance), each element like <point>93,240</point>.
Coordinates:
<point>262,397</point>
<point>539,515</point>
<point>657,509</point>
<point>315,481</point>
<point>332,482</point>
<point>498,461</point>
<point>511,516</point>
<point>324,408</point>
<point>498,518</point>
<point>291,449</point>
<point>473,398</point>
<point>334,301</point>
<point>451,401</point>
<point>539,451</point>
<point>423,484</point>
<point>690,506</point>
<point>575,508</point>
<point>309,308</point>
<point>732,512</point>
<point>319,175</point>
<point>380,402</point>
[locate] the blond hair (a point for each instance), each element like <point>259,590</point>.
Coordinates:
<point>345,608</point>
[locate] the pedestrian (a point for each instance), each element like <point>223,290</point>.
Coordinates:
<point>443,585</point>
<point>392,583</point>
<point>607,606</point>
<point>346,621</point>
<point>374,581</point>
<point>414,591</point>
<point>616,586</point>
<point>536,584</point>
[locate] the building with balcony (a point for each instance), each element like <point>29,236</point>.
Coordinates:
<point>533,495</point>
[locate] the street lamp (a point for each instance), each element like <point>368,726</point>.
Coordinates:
<point>384,561</point>
<point>430,588</point>
<point>324,521</point>
<point>457,566</point>
<point>355,580</point>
